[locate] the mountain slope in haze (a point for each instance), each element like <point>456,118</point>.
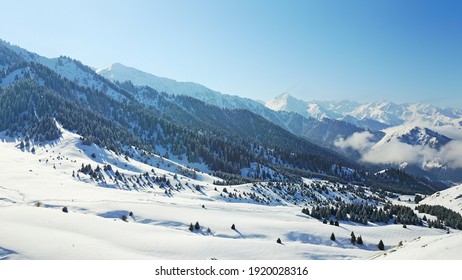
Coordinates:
<point>321,132</point>
<point>424,139</point>
<point>122,73</point>
<point>384,113</point>
<point>39,92</point>
<point>335,110</point>
<point>288,103</point>
<point>235,143</point>
<point>141,174</point>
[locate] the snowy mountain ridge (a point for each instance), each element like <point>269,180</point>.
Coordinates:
<point>122,73</point>
<point>70,69</point>
<point>385,112</point>
<point>87,164</point>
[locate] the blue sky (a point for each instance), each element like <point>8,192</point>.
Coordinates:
<point>403,51</point>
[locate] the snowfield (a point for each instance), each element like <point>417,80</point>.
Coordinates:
<point>450,198</point>
<point>426,248</point>
<point>35,186</point>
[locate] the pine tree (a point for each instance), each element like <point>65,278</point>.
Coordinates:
<point>197,226</point>
<point>233,227</point>
<point>279,241</point>
<point>381,246</point>
<point>65,209</point>
<point>359,240</point>
<point>191,227</point>
<point>353,238</point>
<point>332,237</point>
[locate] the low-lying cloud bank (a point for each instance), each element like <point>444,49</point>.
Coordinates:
<point>394,151</point>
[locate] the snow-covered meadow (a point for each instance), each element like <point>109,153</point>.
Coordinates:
<point>35,186</point>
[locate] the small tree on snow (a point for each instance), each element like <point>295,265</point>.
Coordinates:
<point>353,238</point>
<point>359,240</point>
<point>381,246</point>
<point>279,241</point>
<point>197,226</point>
<point>233,227</point>
<point>191,227</point>
<point>332,237</point>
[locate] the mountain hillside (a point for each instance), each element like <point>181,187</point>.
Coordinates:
<point>383,113</point>
<point>450,198</point>
<point>84,196</point>
<point>423,139</point>
<point>321,132</point>
<point>141,174</point>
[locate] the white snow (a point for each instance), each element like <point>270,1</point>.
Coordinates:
<point>450,198</point>
<point>93,228</point>
<point>443,247</point>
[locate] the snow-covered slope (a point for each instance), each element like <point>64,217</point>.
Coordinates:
<point>414,136</point>
<point>384,112</point>
<point>288,103</point>
<point>424,138</point>
<point>122,73</point>
<point>119,72</point>
<point>444,247</point>
<point>37,183</point>
<point>450,198</point>
<point>70,69</point>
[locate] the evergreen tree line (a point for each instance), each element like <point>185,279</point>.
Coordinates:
<point>449,217</point>
<point>364,213</point>
<point>226,140</point>
<point>215,147</point>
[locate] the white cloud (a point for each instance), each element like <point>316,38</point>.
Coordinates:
<point>398,152</point>
<point>395,151</point>
<point>452,154</point>
<point>360,141</point>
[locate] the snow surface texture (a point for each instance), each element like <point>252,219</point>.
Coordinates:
<point>426,248</point>
<point>450,198</point>
<point>35,186</point>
